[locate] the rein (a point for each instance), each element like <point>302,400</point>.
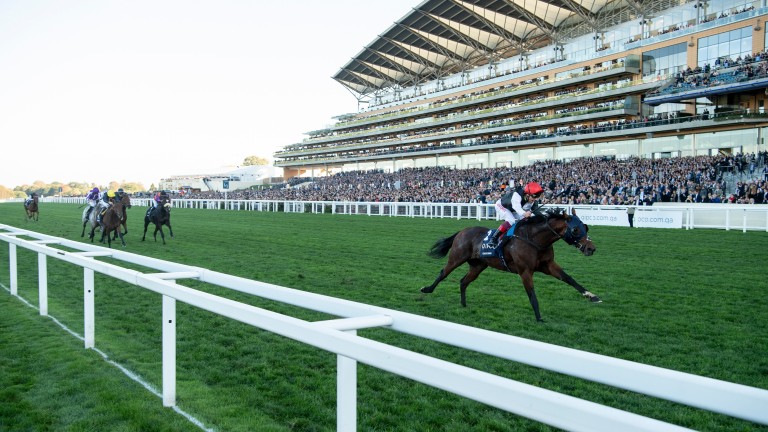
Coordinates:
<point>535,245</point>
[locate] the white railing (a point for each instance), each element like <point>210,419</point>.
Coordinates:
<point>700,215</point>
<point>339,336</point>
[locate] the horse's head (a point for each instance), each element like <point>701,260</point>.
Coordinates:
<point>126,200</point>
<point>577,235</point>
<point>119,209</point>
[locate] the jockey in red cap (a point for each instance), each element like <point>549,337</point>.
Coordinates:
<point>516,205</point>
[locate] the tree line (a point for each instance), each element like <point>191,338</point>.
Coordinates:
<point>68,189</point>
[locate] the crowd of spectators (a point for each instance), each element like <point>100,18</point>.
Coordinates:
<point>606,181</point>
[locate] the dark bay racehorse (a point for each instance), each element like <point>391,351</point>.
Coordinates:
<point>31,208</point>
<point>125,199</point>
<point>111,221</point>
<point>529,250</point>
<point>160,215</point>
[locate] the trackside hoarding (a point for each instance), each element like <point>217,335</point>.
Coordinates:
<point>643,218</point>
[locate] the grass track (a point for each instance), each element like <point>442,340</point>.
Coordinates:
<point>693,301</point>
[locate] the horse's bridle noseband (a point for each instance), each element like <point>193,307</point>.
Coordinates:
<point>569,237</point>
<point>572,240</point>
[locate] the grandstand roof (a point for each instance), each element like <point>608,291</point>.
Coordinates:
<point>438,38</point>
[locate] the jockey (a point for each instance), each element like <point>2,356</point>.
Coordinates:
<point>92,199</point>
<point>29,200</point>
<point>156,200</point>
<point>108,198</point>
<point>120,192</point>
<point>516,205</point>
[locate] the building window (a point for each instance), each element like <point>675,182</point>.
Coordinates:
<point>729,45</point>
<point>664,61</point>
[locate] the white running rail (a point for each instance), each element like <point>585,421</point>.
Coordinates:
<point>339,336</point>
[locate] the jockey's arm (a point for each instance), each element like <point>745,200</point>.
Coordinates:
<point>517,205</point>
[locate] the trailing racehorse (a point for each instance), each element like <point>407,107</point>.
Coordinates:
<point>111,221</point>
<point>125,199</point>
<point>31,208</point>
<point>160,215</point>
<point>527,251</point>
<point>90,218</point>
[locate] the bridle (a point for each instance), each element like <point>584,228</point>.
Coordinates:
<point>569,237</point>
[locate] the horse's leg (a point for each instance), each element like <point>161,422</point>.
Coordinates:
<point>159,227</point>
<point>146,224</point>
<point>554,270</point>
<point>169,228</point>
<point>474,271</point>
<point>527,277</point>
<point>444,272</point>
<point>121,236</point>
<point>84,224</point>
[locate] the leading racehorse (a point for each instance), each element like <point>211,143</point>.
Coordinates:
<point>31,208</point>
<point>528,250</point>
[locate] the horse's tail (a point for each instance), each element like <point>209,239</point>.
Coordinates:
<point>441,247</point>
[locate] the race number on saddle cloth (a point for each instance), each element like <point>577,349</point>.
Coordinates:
<point>490,247</point>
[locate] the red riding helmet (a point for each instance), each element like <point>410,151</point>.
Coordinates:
<point>533,188</point>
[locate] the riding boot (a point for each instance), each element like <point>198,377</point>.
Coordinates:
<point>495,238</point>
<point>88,213</point>
<point>500,232</point>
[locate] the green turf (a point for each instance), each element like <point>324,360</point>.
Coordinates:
<point>693,301</point>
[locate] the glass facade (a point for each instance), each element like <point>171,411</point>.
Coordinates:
<point>744,140</point>
<point>665,61</point>
<point>732,44</point>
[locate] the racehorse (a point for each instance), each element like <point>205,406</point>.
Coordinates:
<point>31,208</point>
<point>111,221</point>
<point>92,219</point>
<point>527,251</point>
<point>126,201</point>
<point>160,215</point>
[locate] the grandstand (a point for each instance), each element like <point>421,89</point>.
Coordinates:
<point>492,84</point>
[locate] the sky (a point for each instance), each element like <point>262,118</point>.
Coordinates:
<point>135,91</point>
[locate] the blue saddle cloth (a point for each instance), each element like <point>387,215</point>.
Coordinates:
<point>488,250</point>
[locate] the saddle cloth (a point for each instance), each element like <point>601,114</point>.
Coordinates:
<point>488,250</point>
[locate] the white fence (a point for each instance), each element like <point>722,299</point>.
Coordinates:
<point>339,336</point>
<point>683,215</point>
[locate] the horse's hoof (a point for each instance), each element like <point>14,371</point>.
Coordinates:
<point>540,320</point>
<point>426,290</point>
<point>595,299</point>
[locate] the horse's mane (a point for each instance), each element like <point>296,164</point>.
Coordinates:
<point>549,213</point>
